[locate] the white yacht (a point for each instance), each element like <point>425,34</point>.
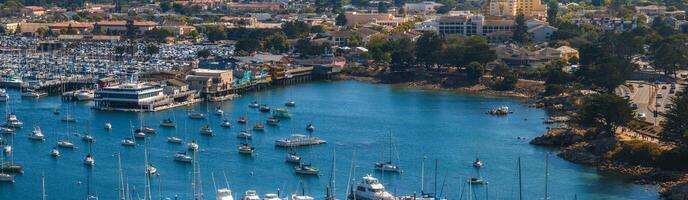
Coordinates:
<point>65,144</point>
<point>226,124</point>
<point>7,148</point>
<point>13,122</point>
<point>224,194</point>
<point>108,126</point>
<point>151,170</point>
<point>6,130</point>
<point>128,142</point>
<point>271,196</point>
<point>68,118</point>
<point>174,139</point>
<point>301,197</point>
<point>84,95</point>
<point>55,152</point>
<point>250,195</point>
<point>33,94</point>
<point>369,188</point>
<point>219,111</point>
<point>6,177</point>
<point>206,130</point>
<point>36,134</point>
<point>89,161</point>
<point>193,146</point>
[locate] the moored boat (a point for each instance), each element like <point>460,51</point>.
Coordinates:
<point>310,127</point>
<point>290,103</point>
<point>369,188</point>
<point>36,134</point>
<point>272,121</point>
<point>168,123</point>
<point>281,113</point>
<point>297,140</point>
<point>108,126</point>
<point>182,157</point>
<point>65,144</point>
<point>264,108</point>
<point>293,158</point>
<point>244,135</point>
<point>89,160</point>
<point>197,116</point>
<point>253,104</point>
<point>250,195</point>
<point>192,146</point>
<point>477,163</point>
<point>245,148</point>
<point>128,142</point>
<point>206,130</point>
<point>55,152</point>
<point>8,178</point>
<point>226,124</point>
<point>259,127</point>
<point>306,169</point>
<point>174,139</point>
<point>242,120</point>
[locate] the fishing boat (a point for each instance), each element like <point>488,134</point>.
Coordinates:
<point>68,118</point>
<point>264,108</point>
<point>259,127</point>
<point>55,152</point>
<point>250,195</point>
<point>65,143</point>
<point>244,148</point>
<point>196,116</point>
<point>7,130</point>
<point>306,169</point>
<point>226,124</point>
<point>244,135</point>
<point>477,163</point>
<point>219,111</point>
<point>310,127</point>
<point>242,120</point>
<point>297,140</point>
<point>182,157</point>
<point>3,95</point>
<point>253,104</point>
<point>290,103</point>
<point>108,126</point>
<point>293,158</point>
<point>272,121</point>
<point>369,188</point>
<point>7,178</point>
<point>192,146</point>
<point>174,139</point>
<point>36,134</point>
<point>281,113</point>
<point>206,130</point>
<point>13,122</point>
<point>89,160</point>
<point>168,123</point>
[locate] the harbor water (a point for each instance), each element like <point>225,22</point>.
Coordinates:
<point>355,118</point>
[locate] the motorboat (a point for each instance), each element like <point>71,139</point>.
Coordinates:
<point>7,178</point>
<point>244,135</point>
<point>281,113</point>
<point>272,121</point>
<point>139,134</point>
<point>206,130</point>
<point>168,123</point>
<point>297,140</point>
<point>253,104</point>
<point>7,148</point>
<point>55,152</point>
<point>88,138</point>
<point>387,167</point>
<point>33,94</point>
<point>89,160</point>
<point>192,146</point>
<point>244,148</point>
<point>196,116</point>
<point>223,194</point>
<point>174,139</point>
<point>219,111</point>
<point>476,180</point>
<point>226,124</point>
<point>68,118</point>
<point>250,195</point>
<point>477,163</point>
<point>108,126</point>
<point>7,130</point>
<point>259,127</point>
<point>293,158</point>
<point>84,95</point>
<point>271,196</point>
<point>182,157</point>
<point>310,127</point>
<point>306,169</point>
<point>128,142</point>
<point>369,188</point>
<point>3,95</point>
<point>290,103</point>
<point>242,120</point>
<point>264,108</point>
<point>301,197</point>
<point>65,144</point>
<point>36,134</point>
<point>13,122</point>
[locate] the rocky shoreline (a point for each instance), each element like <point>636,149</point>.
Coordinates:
<point>573,145</point>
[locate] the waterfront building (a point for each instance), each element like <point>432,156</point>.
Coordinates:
<point>209,82</point>
<point>467,24</point>
<point>130,96</point>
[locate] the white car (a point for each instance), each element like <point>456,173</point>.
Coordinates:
<point>642,116</point>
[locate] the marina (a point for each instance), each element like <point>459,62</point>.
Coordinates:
<point>360,119</point>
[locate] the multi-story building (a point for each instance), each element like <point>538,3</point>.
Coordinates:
<point>384,19</point>
<point>210,83</point>
<point>512,8</point>
<point>467,24</point>
<point>130,96</point>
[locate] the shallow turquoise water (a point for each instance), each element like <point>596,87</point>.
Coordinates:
<point>446,127</point>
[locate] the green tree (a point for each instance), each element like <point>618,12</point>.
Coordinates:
<point>403,54</point>
<point>277,42</point>
<point>478,50</point>
<point>382,7</point>
<point>428,48</point>
<point>248,45</point>
<point>605,112</point>
<point>474,71</point>
<point>341,19</point>
<point>520,33</point>
<point>165,6</point>
<point>296,29</point>
<point>676,124</point>
<point>552,11</point>
<point>670,54</point>
<point>215,33</point>
<point>508,82</point>
<point>378,48</point>
<point>157,34</point>
<point>203,53</point>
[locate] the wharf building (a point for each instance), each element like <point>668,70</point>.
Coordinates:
<point>131,97</point>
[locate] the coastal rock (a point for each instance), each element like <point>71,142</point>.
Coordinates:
<point>675,190</point>
<point>558,137</point>
<point>591,152</point>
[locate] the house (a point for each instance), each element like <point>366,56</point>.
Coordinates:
<point>424,7</point>
<point>512,8</point>
<point>651,10</point>
<point>515,56</point>
<point>341,38</point>
<point>78,27</point>
<point>540,31</point>
<point>120,27</point>
<point>383,19</point>
<point>567,53</point>
<point>34,10</point>
<point>496,29</point>
<point>258,6</point>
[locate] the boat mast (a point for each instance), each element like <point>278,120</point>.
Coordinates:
<point>329,193</point>
<point>44,196</point>
<point>422,176</point>
<point>546,174</point>
<point>520,185</point>
<point>120,183</point>
<point>349,186</point>
<point>147,190</point>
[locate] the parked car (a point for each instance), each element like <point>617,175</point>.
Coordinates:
<point>641,116</point>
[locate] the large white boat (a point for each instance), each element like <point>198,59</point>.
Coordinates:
<point>272,196</point>
<point>84,95</point>
<point>65,144</point>
<point>192,146</point>
<point>36,134</point>
<point>33,94</point>
<point>224,194</point>
<point>3,95</point>
<point>182,157</point>
<point>6,178</point>
<point>89,160</point>
<point>250,195</point>
<point>297,140</point>
<point>301,197</point>
<point>13,122</point>
<point>369,188</point>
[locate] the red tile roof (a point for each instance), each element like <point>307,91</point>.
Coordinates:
<point>124,23</point>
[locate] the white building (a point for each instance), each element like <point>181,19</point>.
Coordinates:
<point>130,96</point>
<point>421,7</point>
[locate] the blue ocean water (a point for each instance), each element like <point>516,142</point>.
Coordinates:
<point>444,128</point>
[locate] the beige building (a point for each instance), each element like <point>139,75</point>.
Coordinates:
<point>210,83</point>
<point>384,19</point>
<point>511,8</point>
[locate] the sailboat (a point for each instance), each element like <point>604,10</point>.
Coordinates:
<point>129,141</point>
<point>174,139</point>
<point>206,130</point>
<point>219,111</point>
<point>329,192</point>
<point>89,160</point>
<point>192,146</point>
<point>65,142</point>
<point>303,196</point>
<point>293,158</point>
<point>150,169</point>
<point>387,166</point>
<point>5,177</point>
<point>7,145</point>
<point>168,123</point>
<point>182,156</point>
<point>306,169</point>
<point>245,148</point>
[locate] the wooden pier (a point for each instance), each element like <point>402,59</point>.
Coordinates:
<point>57,87</point>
